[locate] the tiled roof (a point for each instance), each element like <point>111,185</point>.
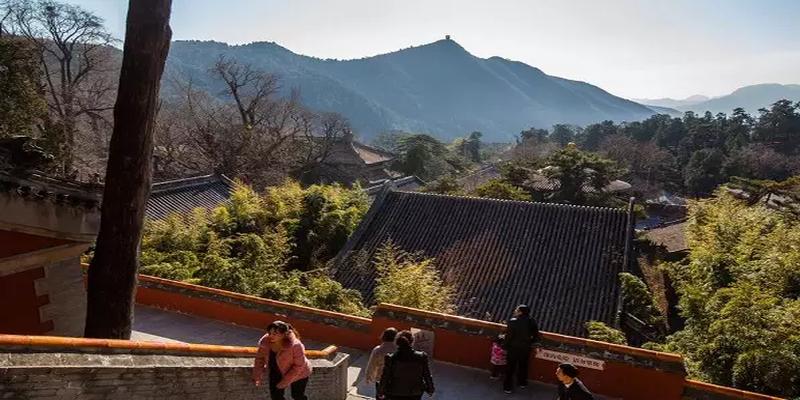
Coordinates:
<point>562,260</point>
<point>407,183</point>
<point>371,155</point>
<point>480,177</point>
<point>670,235</point>
<point>37,186</point>
<point>184,195</point>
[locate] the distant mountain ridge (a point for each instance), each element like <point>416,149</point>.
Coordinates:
<point>438,88</point>
<point>673,103</point>
<point>750,98</point>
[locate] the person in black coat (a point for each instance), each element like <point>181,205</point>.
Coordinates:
<point>521,333</point>
<point>569,386</point>
<point>406,373</point>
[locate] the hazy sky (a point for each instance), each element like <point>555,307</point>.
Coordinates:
<point>632,48</point>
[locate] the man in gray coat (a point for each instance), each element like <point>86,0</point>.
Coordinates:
<point>376,358</point>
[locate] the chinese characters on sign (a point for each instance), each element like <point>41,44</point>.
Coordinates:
<point>578,361</point>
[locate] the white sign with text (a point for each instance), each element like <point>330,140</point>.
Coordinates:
<point>578,361</point>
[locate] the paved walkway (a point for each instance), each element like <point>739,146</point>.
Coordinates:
<point>452,382</point>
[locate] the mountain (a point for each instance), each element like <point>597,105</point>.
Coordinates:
<point>673,103</point>
<point>438,88</point>
<point>751,98</point>
<point>665,110</point>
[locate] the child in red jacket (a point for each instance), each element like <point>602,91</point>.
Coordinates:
<point>498,356</point>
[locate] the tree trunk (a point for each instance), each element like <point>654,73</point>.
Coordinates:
<point>112,274</point>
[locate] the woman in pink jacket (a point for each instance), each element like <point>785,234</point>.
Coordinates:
<point>283,357</point>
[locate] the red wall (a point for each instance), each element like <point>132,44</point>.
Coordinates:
<point>19,304</point>
<point>473,351</point>
<point>619,379</point>
<point>318,331</point>
<point>18,243</point>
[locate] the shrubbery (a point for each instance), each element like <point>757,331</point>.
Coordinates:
<point>740,296</point>
<point>260,245</point>
<point>604,333</point>
<point>408,279</point>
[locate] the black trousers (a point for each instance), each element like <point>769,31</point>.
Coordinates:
<point>498,370</point>
<point>516,367</point>
<point>404,397</point>
<point>298,390</point>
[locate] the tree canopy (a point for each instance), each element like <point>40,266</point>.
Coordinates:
<point>567,175</point>
<point>740,296</point>
<point>691,155</point>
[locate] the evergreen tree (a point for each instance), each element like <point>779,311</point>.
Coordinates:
<point>410,280</point>
<point>779,127</point>
<point>703,173</point>
<point>21,103</point>
<point>563,134</point>
<point>581,176</point>
<point>498,189</point>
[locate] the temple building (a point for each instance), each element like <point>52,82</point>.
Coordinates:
<point>45,226</point>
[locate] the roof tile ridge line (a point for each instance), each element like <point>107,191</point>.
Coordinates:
<point>389,156</point>
<point>478,171</point>
<point>224,178</point>
<point>542,204</point>
<point>377,204</point>
<point>352,146</point>
<point>667,224</point>
<point>374,148</point>
<point>484,199</point>
<point>158,185</point>
<point>424,182</point>
<point>89,191</point>
<point>42,178</point>
<point>408,178</point>
<point>630,221</point>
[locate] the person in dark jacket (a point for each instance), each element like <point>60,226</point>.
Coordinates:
<point>521,333</point>
<point>569,386</point>
<point>406,373</point>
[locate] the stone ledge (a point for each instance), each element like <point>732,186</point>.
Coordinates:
<point>40,376</point>
<point>65,362</point>
<point>49,344</point>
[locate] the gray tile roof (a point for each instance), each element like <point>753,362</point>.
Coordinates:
<point>409,183</point>
<point>183,195</point>
<point>671,235</point>
<point>479,178</point>
<point>563,260</point>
